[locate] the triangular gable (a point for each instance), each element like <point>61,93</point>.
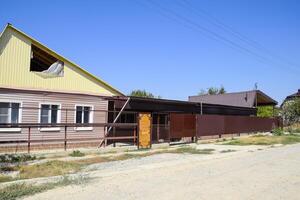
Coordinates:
<point>89,85</point>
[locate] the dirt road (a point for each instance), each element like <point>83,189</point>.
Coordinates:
<point>272,173</point>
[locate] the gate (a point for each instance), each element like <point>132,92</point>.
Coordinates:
<point>145,121</point>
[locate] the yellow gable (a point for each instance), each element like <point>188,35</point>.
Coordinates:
<point>15,56</point>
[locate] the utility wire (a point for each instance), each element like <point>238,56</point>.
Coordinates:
<point>218,23</point>
<point>170,14</point>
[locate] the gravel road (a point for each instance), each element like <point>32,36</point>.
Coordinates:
<point>272,173</point>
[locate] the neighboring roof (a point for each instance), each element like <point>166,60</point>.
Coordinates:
<point>62,58</point>
<point>292,96</point>
<point>240,99</point>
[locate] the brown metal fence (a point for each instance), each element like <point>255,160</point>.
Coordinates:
<point>195,125</point>
<point>209,125</point>
<point>182,125</point>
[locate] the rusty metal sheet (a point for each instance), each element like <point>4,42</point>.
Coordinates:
<point>145,130</point>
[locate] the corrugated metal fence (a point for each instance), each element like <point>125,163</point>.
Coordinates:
<point>193,125</point>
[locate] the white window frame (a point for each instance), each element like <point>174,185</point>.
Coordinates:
<point>54,129</point>
<point>20,115</point>
<point>91,117</point>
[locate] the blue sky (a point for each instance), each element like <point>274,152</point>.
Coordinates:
<point>136,44</point>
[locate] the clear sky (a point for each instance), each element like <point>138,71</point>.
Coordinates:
<point>172,48</point>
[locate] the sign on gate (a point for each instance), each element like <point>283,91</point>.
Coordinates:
<point>145,130</point>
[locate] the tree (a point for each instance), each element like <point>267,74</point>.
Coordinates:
<point>267,111</point>
<point>143,93</point>
<point>213,91</point>
<point>291,112</point>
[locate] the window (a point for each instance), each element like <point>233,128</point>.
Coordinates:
<point>43,62</point>
<point>50,114</point>
<point>10,113</point>
<point>84,116</point>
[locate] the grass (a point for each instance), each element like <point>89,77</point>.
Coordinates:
<point>265,140</point>
<point>16,158</point>
<point>50,168</point>
<point>76,153</point>
<point>4,178</point>
<point>56,167</point>
<point>16,191</point>
<point>190,150</point>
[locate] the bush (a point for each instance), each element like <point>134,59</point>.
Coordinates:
<point>277,132</point>
<point>16,158</point>
<point>77,153</point>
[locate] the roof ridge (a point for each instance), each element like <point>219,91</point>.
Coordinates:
<point>228,93</point>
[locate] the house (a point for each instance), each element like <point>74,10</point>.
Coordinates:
<point>248,99</point>
<point>37,85</point>
<point>291,97</point>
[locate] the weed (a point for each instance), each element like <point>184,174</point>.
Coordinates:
<point>77,153</point>
<point>265,140</point>
<point>15,191</point>
<point>16,158</point>
<point>50,168</point>
<point>277,132</point>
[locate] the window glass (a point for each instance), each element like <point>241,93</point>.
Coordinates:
<point>54,112</point>
<point>78,114</point>
<point>4,112</point>
<point>45,114</point>
<point>83,114</point>
<point>9,112</point>
<point>86,115</point>
<point>15,112</point>
<point>49,113</point>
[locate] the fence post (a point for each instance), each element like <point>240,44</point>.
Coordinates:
<point>65,145</point>
<point>29,135</point>
<point>134,135</point>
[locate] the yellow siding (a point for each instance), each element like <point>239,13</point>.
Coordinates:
<point>15,52</point>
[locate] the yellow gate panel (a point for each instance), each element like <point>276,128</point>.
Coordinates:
<point>145,130</point>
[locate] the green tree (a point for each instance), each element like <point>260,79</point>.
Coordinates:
<point>213,91</point>
<point>143,93</point>
<point>291,112</point>
<point>266,111</point>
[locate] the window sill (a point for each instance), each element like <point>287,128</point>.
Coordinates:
<point>83,128</point>
<point>10,129</point>
<point>54,129</point>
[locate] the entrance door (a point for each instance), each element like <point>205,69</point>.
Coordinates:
<point>145,130</point>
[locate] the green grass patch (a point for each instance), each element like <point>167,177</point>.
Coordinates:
<point>50,168</point>
<point>265,140</point>
<point>16,158</point>
<point>16,191</point>
<point>76,153</point>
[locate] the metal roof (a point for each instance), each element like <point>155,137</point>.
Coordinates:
<point>143,104</point>
<point>241,99</point>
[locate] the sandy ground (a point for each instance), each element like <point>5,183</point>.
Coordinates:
<point>271,173</point>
